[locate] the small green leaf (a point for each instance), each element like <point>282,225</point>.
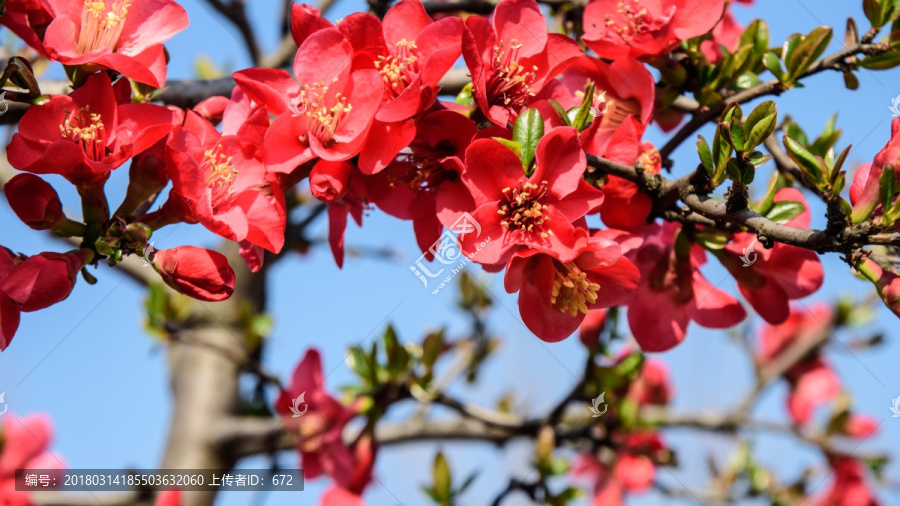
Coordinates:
<point>527,131</point>
<point>465,96</point>
<point>712,239</point>
<point>771,62</point>
<point>785,211</point>
<point>760,124</point>
<point>513,146</point>
<point>808,51</point>
<point>583,116</point>
<point>561,112</point>
<point>850,80</point>
<point>787,49</point>
<point>739,171</point>
<point>630,366</point>
<point>888,186</point>
<point>441,476</point>
<point>736,135</point>
<point>881,61</point>
<point>806,161</point>
<point>706,157</point>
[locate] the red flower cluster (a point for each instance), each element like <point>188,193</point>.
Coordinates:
<point>23,445</point>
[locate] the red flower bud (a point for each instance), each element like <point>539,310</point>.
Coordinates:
<point>34,201</point>
<point>43,280</point>
<point>196,272</point>
<point>328,181</point>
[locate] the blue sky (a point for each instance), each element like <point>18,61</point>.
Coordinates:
<point>88,364</point>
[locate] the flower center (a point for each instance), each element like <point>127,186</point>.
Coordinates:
<point>572,291</point>
<point>86,130</point>
<point>101,26</point>
<point>522,209</point>
<point>510,83</point>
<point>323,112</point>
<point>631,20</point>
<point>400,69</point>
<point>221,172</point>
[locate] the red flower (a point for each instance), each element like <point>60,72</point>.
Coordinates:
<point>632,471</point>
<point>34,201</point>
<point>330,181</point>
<point>225,181</point>
<point>621,88</point>
<point>517,211</point>
<point>322,421</point>
<point>865,190</point>
<point>673,292</point>
<point>197,272</point>
<point>417,54</point>
<point>778,275</point>
<point>25,442</point>
<point>849,486</point>
<point>727,33</point>
<point>305,21</point>
<point>353,204</point>
<point>625,206</point>
<point>328,115</point>
<point>168,498</point>
<point>424,185</point>
<point>618,29</point>
<point>512,56</point>
<point>42,280</point>
<point>591,326</point>
<point>86,134</point>
<point>812,382</point>
<point>123,35</point>
<point>556,291</point>
<point>887,283</point>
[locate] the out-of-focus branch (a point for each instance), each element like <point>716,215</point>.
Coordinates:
<point>237,14</point>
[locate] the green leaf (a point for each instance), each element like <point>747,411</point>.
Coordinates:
<point>706,157</point>
<point>850,80</point>
<point>787,49</point>
<point>736,135</point>
<point>630,366</point>
<point>771,62</point>
<point>739,171</point>
<point>712,239</point>
<point>881,61</point>
<point>583,116</point>
<point>527,131</point>
<point>563,115</point>
<point>785,211</point>
<point>721,152</point>
<point>465,95</point>
<point>513,146</point>
<point>872,9</point>
<point>756,35</point>
<point>794,130</point>
<point>806,161</point>
<point>441,475</point>
<point>746,81</point>
<point>888,186</point>
<point>358,362</point>
<point>432,347</point>
<point>760,124</point>
<point>808,51</point>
